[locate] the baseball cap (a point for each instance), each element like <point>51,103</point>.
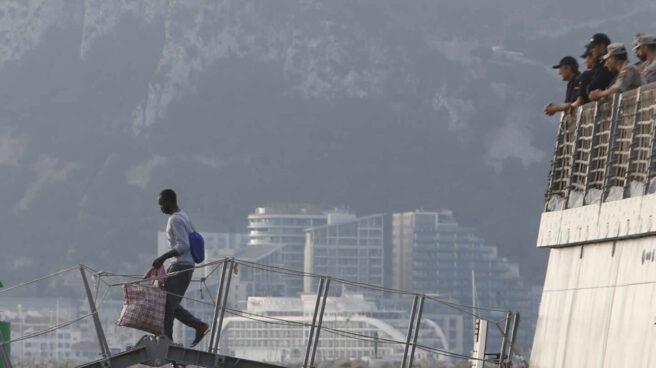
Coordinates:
<point>569,61</point>
<point>598,38</point>
<point>615,49</point>
<point>645,39</point>
<point>586,52</point>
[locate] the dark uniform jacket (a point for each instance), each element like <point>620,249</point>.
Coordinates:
<point>584,82</point>
<point>573,89</point>
<point>601,77</point>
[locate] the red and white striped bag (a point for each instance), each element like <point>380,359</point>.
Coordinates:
<point>144,305</point>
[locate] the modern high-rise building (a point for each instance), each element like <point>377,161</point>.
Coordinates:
<point>285,225</point>
<point>432,254</point>
<point>351,249</point>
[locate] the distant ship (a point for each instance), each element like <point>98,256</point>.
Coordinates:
<point>598,306</point>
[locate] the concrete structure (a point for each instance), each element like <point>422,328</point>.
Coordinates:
<point>599,292</point>
<point>285,225</point>
<point>285,343</point>
<point>352,249</point>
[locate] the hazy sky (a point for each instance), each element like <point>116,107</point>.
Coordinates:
<point>382,106</point>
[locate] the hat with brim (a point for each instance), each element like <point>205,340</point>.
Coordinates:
<point>644,40</point>
<point>614,49</point>
<point>586,53</point>
<point>567,61</point>
<point>598,39</point>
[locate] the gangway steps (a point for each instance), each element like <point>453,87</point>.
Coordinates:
<point>155,351</point>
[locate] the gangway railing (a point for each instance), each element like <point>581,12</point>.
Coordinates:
<point>604,151</point>
<point>157,350</point>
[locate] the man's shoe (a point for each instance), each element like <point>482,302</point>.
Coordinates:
<point>200,333</point>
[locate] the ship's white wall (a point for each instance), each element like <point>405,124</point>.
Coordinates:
<point>598,307</point>
<point>629,216</point>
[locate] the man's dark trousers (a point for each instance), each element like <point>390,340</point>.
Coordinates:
<point>178,284</point>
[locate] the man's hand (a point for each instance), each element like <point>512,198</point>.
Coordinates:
<point>159,261</point>
<point>596,94</point>
<point>551,109</point>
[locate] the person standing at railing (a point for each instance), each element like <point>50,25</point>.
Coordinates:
<point>584,80</point>
<point>647,46</point>
<point>568,68</point>
<point>601,77</point>
<point>642,58</point>
<point>628,76</point>
<point>178,229</point>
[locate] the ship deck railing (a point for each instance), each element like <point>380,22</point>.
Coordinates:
<point>604,151</point>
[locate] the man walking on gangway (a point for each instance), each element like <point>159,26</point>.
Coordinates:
<point>178,229</point>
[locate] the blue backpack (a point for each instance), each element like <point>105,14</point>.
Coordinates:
<point>197,246</point>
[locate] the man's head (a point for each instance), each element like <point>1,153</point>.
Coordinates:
<point>615,57</point>
<point>568,68</point>
<point>168,201</point>
<point>588,59</point>
<point>646,45</point>
<point>598,44</point>
<point>636,47</point>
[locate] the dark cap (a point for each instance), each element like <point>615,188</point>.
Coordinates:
<point>586,52</point>
<point>569,61</point>
<point>598,38</point>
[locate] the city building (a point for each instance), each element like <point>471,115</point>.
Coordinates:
<point>285,343</point>
<point>352,249</point>
<point>433,254</point>
<point>285,225</point>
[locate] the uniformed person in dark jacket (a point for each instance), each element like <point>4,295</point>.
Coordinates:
<point>568,68</point>
<point>628,76</point>
<point>585,78</point>
<point>601,77</point>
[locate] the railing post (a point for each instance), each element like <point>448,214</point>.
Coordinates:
<point>552,168</point>
<point>568,185</point>
<point>591,154</point>
<point>504,342</point>
<point>316,334</point>
<point>409,335</point>
<point>226,291</point>
<point>104,349</point>
<point>216,307</point>
<point>306,360</point>
<point>634,134</point>
<point>515,327</point>
<point>417,325</point>
<point>652,149</point>
<point>616,111</point>
<point>6,359</point>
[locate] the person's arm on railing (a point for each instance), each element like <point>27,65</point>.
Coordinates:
<point>551,109</point>
<point>597,94</point>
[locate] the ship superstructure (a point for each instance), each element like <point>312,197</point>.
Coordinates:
<point>597,308</point>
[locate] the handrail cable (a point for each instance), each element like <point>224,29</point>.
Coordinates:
<point>100,275</point>
<point>47,330</point>
<point>363,285</point>
<point>39,279</point>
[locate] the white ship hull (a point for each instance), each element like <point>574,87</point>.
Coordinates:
<point>598,307</point>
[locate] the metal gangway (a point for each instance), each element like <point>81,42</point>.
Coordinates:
<point>156,351</point>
